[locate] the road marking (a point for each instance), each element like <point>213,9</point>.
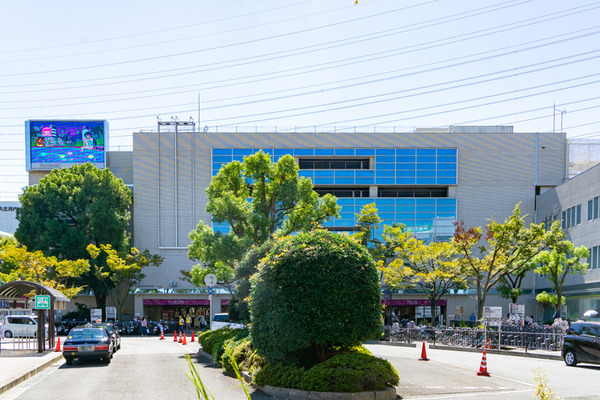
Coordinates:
<point>496,376</point>
<point>458,396</point>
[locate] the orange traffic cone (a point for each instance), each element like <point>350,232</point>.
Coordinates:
<point>175,337</point>
<point>181,338</point>
<point>424,354</point>
<point>57,345</point>
<point>483,368</point>
<point>184,341</point>
<point>192,335</point>
<point>162,335</point>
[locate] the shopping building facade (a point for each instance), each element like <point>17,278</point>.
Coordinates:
<point>425,178</point>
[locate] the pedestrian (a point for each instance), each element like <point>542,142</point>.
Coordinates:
<point>181,323</point>
<point>202,321</point>
<point>161,327</point>
<point>188,322</point>
<point>144,329</point>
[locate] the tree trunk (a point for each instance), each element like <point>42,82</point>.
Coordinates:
<point>101,303</point>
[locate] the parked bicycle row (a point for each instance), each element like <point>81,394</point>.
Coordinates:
<point>494,338</point>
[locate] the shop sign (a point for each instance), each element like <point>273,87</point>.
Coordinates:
<point>181,302</point>
<point>411,302</point>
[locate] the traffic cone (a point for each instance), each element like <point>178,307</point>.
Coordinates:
<point>192,335</point>
<point>175,337</point>
<point>162,335</point>
<point>181,338</point>
<point>423,354</point>
<point>483,368</point>
<point>184,341</point>
<point>57,345</point>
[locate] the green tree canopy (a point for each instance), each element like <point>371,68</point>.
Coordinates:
<point>258,199</point>
<point>71,208</point>
<point>560,260</point>
<point>509,247</point>
<point>314,292</point>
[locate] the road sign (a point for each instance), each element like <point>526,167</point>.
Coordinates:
<point>210,279</point>
<point>210,290</point>
<point>95,314</point>
<point>42,302</point>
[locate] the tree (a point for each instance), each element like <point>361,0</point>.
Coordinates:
<point>433,268</point>
<point>562,259</point>
<point>367,223</point>
<point>16,263</point>
<point>314,292</point>
<point>69,209</point>
<point>258,199</point>
<point>509,247</point>
<point>121,270</point>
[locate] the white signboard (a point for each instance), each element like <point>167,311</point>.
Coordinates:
<point>111,313</point>
<point>95,314</point>
<point>492,312</point>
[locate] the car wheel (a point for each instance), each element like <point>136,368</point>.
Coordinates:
<point>69,360</point>
<point>8,334</point>
<point>570,358</point>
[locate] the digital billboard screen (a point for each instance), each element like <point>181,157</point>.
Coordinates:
<point>63,143</point>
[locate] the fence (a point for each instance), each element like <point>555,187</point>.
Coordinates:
<point>503,337</point>
<point>21,340</point>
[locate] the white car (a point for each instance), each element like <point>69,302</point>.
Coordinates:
<point>21,326</point>
<point>221,320</point>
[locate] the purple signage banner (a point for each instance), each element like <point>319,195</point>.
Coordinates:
<point>181,302</point>
<point>410,302</point>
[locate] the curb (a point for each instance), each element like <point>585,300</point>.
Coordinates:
<point>29,374</point>
<point>295,394</point>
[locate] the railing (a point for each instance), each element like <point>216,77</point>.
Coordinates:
<point>21,340</point>
<point>503,337</point>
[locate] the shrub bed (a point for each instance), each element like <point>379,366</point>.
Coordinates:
<point>213,341</point>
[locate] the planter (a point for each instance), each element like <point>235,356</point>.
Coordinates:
<point>295,394</point>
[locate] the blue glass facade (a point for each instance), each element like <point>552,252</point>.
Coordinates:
<point>428,218</point>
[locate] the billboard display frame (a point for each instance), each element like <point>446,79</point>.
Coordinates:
<point>62,143</point>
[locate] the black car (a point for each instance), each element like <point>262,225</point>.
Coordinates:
<point>88,343</point>
<point>112,331</point>
<point>582,343</point>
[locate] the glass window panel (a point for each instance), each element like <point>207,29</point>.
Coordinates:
<point>344,181</point>
<point>446,174</point>
<point>222,152</point>
<point>425,181</point>
<point>568,223</point>
<point>346,215</point>
<point>425,166</point>
<point>303,152</point>
<point>326,172</point>
<point>426,159</point>
<point>385,202</point>
<point>405,180</point>
<point>328,223</point>
<point>365,152</point>
<point>425,174</point>
<point>447,159</point>
<point>446,152</point>
<point>242,152</point>
<point>446,209</point>
<point>563,219</point>
<point>238,158</point>
<point>446,181</point>
<point>390,166</point>
<point>578,214</point>
<point>364,201</point>
<point>385,181</point>
<point>283,152</point>
<point>595,256</point>
<point>321,165</point>
<point>385,159</point>
<point>365,181</point>
<point>306,173</point>
<point>590,210</point>
<point>446,166</point>
<point>385,173</point>
<point>323,181</point>
<point>343,173</point>
<point>344,152</point>
<point>324,152</point>
<point>344,222</point>
<point>385,152</point>
<point>386,208</point>
<point>406,152</point>
<point>596,207</point>
<point>426,152</point>
<point>306,164</point>
<point>425,202</point>
<point>215,172</point>
<point>406,159</point>
<point>448,201</point>
<point>222,159</point>
<point>365,173</point>
<point>346,202</point>
<point>406,166</point>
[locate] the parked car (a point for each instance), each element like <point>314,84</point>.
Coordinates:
<point>88,343</point>
<point>221,320</point>
<point>21,325</point>
<point>112,331</point>
<point>582,343</point>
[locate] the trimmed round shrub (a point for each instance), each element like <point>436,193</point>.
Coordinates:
<point>314,292</point>
<point>279,375</point>
<point>350,372</point>
<point>212,341</point>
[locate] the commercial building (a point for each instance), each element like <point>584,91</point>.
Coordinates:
<point>424,178</point>
<point>576,204</point>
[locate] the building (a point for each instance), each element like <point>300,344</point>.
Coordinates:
<point>8,217</point>
<point>576,204</point>
<point>425,178</point>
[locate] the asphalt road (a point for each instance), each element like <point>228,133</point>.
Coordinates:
<point>144,368</point>
<point>453,375</point>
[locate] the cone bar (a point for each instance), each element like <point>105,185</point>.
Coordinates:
<point>184,341</point>
<point>192,335</point>
<point>57,345</point>
<point>483,368</point>
<point>423,354</point>
<point>175,337</point>
<point>181,337</point>
<point>162,335</point>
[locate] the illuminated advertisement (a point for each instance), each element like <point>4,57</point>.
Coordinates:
<point>63,143</point>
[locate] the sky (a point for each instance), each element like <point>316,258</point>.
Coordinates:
<point>296,65</point>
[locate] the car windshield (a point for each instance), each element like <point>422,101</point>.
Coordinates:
<point>108,327</point>
<point>87,333</point>
<point>221,318</point>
